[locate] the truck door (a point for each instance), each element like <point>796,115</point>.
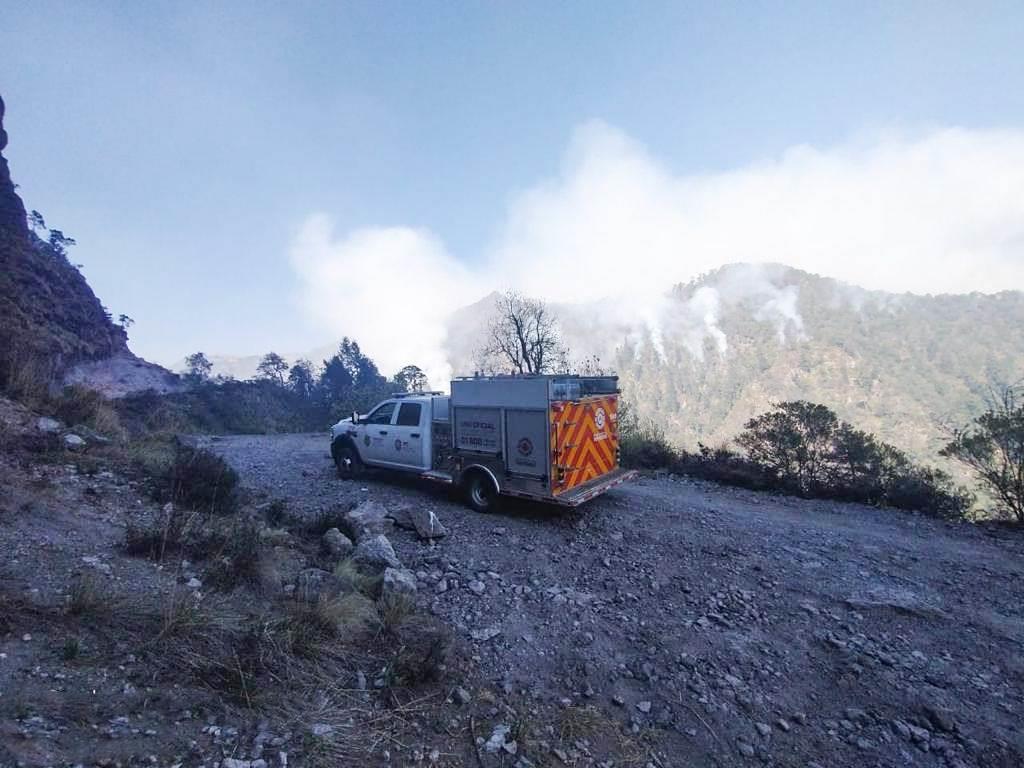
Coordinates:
<point>377,438</point>
<point>408,436</point>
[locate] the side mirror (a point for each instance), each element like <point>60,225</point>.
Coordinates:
<point>355,417</point>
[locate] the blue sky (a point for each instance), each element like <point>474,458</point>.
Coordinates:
<point>187,145</point>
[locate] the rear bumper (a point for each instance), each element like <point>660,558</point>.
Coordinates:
<point>595,487</point>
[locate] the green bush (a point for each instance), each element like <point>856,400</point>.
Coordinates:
<point>992,447</point>
<point>805,449</point>
<point>642,443</point>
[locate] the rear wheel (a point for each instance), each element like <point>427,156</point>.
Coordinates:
<point>481,494</point>
<point>346,459</point>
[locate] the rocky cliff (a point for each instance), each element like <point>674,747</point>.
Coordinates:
<point>12,212</point>
<point>51,322</point>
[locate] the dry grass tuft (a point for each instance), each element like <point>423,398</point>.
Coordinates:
<point>351,579</point>
<point>85,597</point>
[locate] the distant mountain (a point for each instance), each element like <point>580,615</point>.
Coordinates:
<point>722,348</point>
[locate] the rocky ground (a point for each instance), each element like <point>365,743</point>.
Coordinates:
<point>716,626</point>
<point>668,623</point>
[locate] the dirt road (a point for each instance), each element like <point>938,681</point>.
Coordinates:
<point>727,627</point>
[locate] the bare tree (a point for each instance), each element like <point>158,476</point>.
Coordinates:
<point>524,336</point>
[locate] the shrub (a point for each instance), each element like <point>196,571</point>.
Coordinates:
<point>993,449</point>
<point>720,465</point>
<point>421,646</point>
<point>804,448</point>
<point>794,442</point>
<point>642,442</point>
<point>239,558</point>
<point>84,597</point>
<point>199,479</point>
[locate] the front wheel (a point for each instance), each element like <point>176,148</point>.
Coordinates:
<point>481,494</point>
<point>346,459</point>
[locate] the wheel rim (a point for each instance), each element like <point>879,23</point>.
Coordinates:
<point>481,494</point>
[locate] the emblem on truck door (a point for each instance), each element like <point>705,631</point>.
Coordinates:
<point>599,418</point>
<point>525,446</point>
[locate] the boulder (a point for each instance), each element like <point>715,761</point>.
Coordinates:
<point>337,543</point>
<point>369,518</point>
<point>48,426</point>
<point>73,442</point>
<point>376,553</point>
<point>424,522</point>
<point>398,581</point>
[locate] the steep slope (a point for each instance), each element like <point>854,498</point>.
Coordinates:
<point>50,319</point>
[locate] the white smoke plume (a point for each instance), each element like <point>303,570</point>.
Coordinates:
<point>942,211</point>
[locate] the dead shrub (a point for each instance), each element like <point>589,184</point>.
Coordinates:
<point>239,558</point>
<point>393,610</point>
<point>198,479</point>
<point>421,647</point>
<point>327,519</point>
<point>85,597</point>
<point>25,374</point>
<point>80,405</point>
<point>351,579</point>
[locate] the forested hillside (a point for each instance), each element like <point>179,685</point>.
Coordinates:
<point>719,350</point>
<point>896,365</point>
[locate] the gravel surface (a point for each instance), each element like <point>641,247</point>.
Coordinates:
<point>721,626</point>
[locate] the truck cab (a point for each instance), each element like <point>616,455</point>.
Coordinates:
<point>397,433</point>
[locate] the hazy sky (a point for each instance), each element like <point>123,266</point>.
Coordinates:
<point>254,176</point>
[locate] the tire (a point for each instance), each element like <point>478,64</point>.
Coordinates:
<point>346,459</point>
<point>481,494</point>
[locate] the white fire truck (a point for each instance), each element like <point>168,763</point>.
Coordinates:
<point>550,438</point>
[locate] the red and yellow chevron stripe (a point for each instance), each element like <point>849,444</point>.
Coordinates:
<point>584,440</point>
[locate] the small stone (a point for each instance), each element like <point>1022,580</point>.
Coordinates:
<point>497,740</point>
<point>73,442</point>
<point>321,729</point>
<point>783,724</point>
<point>644,706</point>
<point>745,749</point>
<point>941,718</point>
<point>763,728</point>
<point>484,634</point>
<point>477,587</point>
<point>194,583</point>
<point>462,696</point>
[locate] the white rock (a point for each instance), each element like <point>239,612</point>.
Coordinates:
<point>47,425</point>
<point>73,442</point>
